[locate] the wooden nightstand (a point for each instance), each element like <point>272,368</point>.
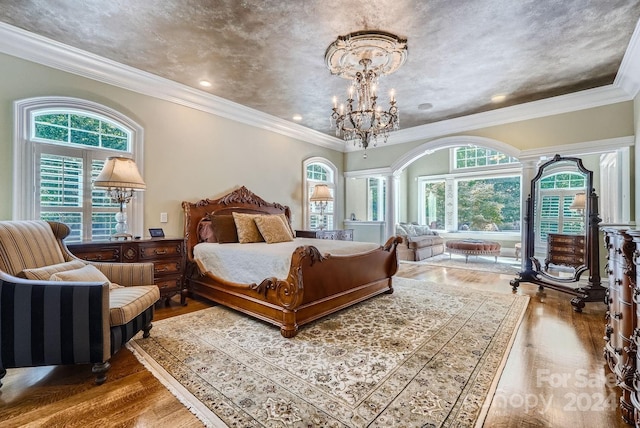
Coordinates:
<point>166,254</point>
<point>566,250</point>
<point>339,234</point>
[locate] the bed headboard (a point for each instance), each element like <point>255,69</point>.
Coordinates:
<point>240,200</point>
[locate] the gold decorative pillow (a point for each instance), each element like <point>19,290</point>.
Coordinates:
<point>285,220</point>
<point>45,272</point>
<point>273,229</point>
<point>247,230</point>
<point>88,273</point>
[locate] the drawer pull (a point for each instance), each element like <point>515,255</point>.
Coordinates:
<point>164,269</point>
<point>160,252</point>
<point>617,315</point>
<point>618,281</point>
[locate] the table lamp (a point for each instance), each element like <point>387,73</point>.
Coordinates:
<point>120,176</point>
<point>321,196</point>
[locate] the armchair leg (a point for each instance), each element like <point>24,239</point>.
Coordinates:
<point>3,372</point>
<point>100,370</point>
<point>146,329</point>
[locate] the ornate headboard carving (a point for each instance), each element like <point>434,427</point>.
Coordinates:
<point>239,200</point>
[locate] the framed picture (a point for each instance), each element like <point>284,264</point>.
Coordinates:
<point>156,233</point>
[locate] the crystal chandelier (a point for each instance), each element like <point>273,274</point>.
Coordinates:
<point>362,57</point>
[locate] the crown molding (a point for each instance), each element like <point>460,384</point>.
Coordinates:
<point>628,77</point>
<point>536,109</point>
<point>32,47</point>
<point>578,149</point>
<point>374,172</point>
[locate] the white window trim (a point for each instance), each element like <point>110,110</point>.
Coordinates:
<point>307,184</point>
<point>382,185</point>
<point>24,152</point>
<point>451,183</point>
<point>454,168</point>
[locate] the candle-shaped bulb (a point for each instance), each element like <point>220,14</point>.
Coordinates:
<point>350,91</point>
<point>335,101</point>
<point>392,95</point>
<point>341,108</point>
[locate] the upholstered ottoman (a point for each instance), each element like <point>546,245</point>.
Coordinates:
<point>473,247</point>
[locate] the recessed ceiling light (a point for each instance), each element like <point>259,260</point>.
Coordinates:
<point>205,83</point>
<point>297,117</point>
<point>498,98</point>
<point>425,106</point>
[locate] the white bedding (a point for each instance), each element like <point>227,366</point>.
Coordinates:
<point>251,263</point>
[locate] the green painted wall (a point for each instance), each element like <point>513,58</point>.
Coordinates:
<point>188,154</point>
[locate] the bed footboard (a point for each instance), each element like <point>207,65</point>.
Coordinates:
<point>317,285</point>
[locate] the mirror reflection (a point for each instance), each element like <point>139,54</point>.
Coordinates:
<point>560,220</point>
<point>561,235</point>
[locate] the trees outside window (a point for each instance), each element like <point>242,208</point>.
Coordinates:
<point>489,204</point>
<point>61,150</point>
<point>434,204</point>
<point>486,198</point>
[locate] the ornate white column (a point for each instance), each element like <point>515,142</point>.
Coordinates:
<point>450,206</point>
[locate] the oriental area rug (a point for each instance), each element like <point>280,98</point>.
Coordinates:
<point>428,355</point>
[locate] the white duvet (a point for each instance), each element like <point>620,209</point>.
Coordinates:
<point>251,263</point>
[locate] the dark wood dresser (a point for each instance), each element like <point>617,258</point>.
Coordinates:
<point>339,234</point>
<point>621,332</point>
<point>166,254</point>
<point>566,250</point>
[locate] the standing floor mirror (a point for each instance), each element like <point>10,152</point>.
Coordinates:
<point>562,236</point>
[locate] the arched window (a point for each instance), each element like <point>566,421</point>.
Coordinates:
<point>480,193</point>
<point>319,171</point>
<point>61,145</point>
<point>476,156</point>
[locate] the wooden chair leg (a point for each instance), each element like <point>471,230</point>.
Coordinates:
<point>100,370</point>
<point>146,329</point>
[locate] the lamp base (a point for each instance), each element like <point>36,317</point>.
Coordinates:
<point>121,236</point>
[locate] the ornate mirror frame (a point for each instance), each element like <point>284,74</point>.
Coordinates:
<point>533,271</point>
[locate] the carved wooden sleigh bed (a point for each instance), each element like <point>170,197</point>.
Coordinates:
<point>316,285</point>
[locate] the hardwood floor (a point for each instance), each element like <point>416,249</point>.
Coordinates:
<point>555,375</point>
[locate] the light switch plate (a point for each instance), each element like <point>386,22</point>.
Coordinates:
<point>163,218</point>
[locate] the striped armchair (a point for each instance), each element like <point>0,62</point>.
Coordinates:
<point>55,310</point>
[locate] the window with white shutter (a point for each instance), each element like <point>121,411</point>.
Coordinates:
<point>63,151</point>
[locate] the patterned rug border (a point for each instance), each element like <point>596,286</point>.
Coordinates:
<point>210,419</point>
<point>190,401</point>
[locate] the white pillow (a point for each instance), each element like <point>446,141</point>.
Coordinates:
<point>88,273</point>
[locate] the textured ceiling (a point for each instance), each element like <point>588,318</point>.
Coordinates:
<point>269,55</point>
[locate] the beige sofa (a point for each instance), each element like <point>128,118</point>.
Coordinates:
<point>418,242</point>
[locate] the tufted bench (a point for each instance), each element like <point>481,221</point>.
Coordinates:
<point>473,247</point>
